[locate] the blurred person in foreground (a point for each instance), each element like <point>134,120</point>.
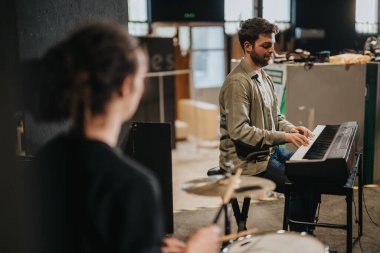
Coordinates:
<point>90,197</point>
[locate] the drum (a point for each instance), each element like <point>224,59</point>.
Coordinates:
<point>284,242</point>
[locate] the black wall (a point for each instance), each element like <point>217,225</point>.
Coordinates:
<point>336,17</point>
<point>10,224</point>
<point>40,24</point>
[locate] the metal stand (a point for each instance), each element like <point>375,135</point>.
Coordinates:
<point>227,221</point>
<point>347,190</point>
<point>241,217</point>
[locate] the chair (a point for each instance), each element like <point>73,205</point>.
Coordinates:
<point>215,171</point>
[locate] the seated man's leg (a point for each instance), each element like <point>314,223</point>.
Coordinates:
<point>276,168</point>
<point>302,205</point>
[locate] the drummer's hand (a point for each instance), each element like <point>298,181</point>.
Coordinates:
<point>204,240</point>
<point>172,245</point>
<point>302,130</point>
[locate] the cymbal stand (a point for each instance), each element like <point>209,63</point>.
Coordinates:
<point>226,199</point>
<point>227,220</point>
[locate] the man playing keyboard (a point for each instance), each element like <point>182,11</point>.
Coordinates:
<point>251,125</point>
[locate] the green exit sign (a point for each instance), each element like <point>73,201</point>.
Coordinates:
<point>189,15</point>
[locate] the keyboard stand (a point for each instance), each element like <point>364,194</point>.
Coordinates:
<point>347,190</point>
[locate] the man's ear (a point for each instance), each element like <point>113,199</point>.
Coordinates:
<point>127,86</point>
<point>247,46</point>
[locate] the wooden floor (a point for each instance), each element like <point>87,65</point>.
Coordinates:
<point>191,161</point>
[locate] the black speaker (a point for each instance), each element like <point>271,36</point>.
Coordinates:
<point>150,144</point>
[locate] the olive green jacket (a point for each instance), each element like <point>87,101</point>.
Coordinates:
<point>250,123</point>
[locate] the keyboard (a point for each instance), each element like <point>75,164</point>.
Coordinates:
<point>328,158</point>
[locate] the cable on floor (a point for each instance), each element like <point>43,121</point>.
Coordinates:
<point>370,217</point>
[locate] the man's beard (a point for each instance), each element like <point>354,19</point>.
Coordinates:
<point>258,60</point>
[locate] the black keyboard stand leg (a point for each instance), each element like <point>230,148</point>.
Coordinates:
<point>349,222</point>
<point>285,223</point>
<point>360,192</point>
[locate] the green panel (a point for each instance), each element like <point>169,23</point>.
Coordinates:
<point>370,122</point>
<point>283,109</point>
<point>283,103</point>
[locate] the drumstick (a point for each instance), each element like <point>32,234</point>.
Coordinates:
<point>237,235</point>
<point>228,194</point>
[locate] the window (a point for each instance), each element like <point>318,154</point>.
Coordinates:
<point>366,16</point>
<point>170,31</point>
<point>277,11</point>
<point>208,56</point>
<point>165,31</point>
<point>182,33</point>
<point>234,12</point>
<point>184,39</point>
<point>138,17</point>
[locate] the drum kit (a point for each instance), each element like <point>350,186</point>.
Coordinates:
<point>230,187</point>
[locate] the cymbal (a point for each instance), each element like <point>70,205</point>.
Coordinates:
<point>247,186</point>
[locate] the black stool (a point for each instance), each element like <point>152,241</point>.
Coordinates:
<point>241,216</point>
<point>215,171</point>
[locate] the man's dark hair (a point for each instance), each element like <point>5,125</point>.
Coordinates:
<point>250,30</point>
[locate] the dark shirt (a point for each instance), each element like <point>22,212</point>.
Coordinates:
<point>92,198</point>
